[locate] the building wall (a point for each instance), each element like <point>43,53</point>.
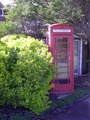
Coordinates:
<point>2,17</point>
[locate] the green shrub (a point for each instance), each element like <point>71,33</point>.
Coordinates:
<point>26,72</point>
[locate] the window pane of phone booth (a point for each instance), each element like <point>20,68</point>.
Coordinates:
<point>62,46</point>
<point>64,81</point>
<point>61,42</point>
<point>62,55</point>
<point>63,76</point>
<point>63,64</point>
<point>62,69</point>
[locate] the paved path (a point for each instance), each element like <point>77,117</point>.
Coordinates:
<point>78,111</point>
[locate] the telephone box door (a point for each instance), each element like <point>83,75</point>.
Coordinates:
<point>63,60</point>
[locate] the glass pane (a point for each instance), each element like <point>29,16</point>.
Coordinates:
<point>63,64</point>
<point>0,12</point>
<point>76,56</point>
<point>63,76</point>
<point>62,55</point>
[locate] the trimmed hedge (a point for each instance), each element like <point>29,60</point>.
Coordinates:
<point>25,73</point>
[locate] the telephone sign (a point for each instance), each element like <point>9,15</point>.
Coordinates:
<point>61,30</point>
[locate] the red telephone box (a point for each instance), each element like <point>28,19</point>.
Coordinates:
<point>61,44</point>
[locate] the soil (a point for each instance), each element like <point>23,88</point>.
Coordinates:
<point>9,113</point>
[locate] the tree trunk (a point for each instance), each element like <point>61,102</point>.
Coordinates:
<point>89,55</point>
<point>89,38</point>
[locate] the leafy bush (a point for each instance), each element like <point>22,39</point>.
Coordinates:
<point>26,72</point>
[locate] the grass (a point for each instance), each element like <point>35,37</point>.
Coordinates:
<point>72,98</point>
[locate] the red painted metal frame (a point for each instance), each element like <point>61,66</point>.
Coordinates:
<point>57,31</point>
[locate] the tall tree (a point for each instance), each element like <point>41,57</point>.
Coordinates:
<point>74,12</point>
<point>24,15</point>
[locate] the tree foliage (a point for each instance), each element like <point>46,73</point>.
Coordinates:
<point>8,28</point>
<point>25,15</point>
<point>73,12</point>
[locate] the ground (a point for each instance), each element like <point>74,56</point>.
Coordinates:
<point>77,111</point>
